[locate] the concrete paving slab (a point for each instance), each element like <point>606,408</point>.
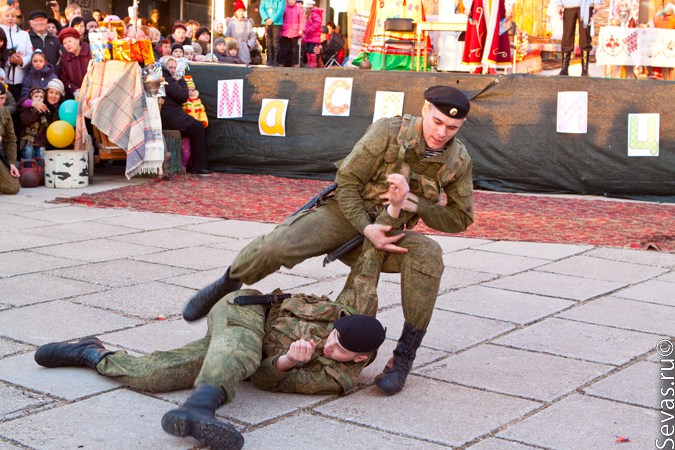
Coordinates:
<point>590,342</point>
<point>80,231</point>
<point>314,268</point>
<point>116,420</point>
<point>424,356</point>
<point>627,314</point>
<point>154,221</point>
<point>556,285</point>
<point>448,331</point>
<point>198,258</point>
<point>603,269</point>
<point>4,445</point>
<point>454,243</point>
<point>12,222</point>
<point>58,321</point>
<point>388,294</point>
<point>310,432</point>
<point>70,383</point>
<point>159,335</point>
<point>499,444</point>
<point>454,278</point>
<point>637,384</point>
<point>500,304</point>
<point>253,406</point>
<point>515,372</point>
<point>121,272</point>
<point>96,250</point>
<point>668,277</point>
<point>652,291</point>
<point>72,214</point>
<point>233,244</point>
<point>20,241</point>
<point>24,261</point>
<point>9,347</point>
<point>538,250</point>
<point>647,257</point>
<point>39,287</point>
<point>198,280</point>
<point>170,238</point>
<point>453,415</point>
<point>580,422</point>
<point>233,228</point>
<point>497,263</point>
<point>15,402</point>
<point>147,300</point>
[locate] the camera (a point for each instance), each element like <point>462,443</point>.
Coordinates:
<point>51,3</point>
<point>10,2</point>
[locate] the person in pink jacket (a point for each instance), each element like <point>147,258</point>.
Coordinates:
<point>292,29</point>
<point>312,31</point>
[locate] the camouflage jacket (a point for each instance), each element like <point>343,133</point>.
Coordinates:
<point>443,183</point>
<point>308,317</point>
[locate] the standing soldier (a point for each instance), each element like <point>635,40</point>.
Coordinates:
<point>417,157</point>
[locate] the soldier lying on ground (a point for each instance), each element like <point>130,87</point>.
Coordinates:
<point>303,344</point>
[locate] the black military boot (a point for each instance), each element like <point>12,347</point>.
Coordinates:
<point>566,56</point>
<point>196,418</point>
<point>392,378</point>
<point>200,305</point>
<point>585,54</point>
<point>87,352</point>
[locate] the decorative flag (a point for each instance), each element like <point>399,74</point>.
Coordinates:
<point>230,99</point>
<point>388,104</point>
<point>272,118</point>
<point>643,134</point>
<point>572,114</point>
<point>337,96</point>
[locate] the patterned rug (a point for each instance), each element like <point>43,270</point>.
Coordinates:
<point>498,216</point>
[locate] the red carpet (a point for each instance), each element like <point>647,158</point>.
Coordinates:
<point>498,216</point>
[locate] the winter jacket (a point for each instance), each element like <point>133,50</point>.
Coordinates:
<point>74,68</point>
<point>294,22</point>
<point>50,46</point>
<point>272,9</point>
<point>176,95</point>
<point>36,78</point>
<point>313,28</point>
<point>18,40</point>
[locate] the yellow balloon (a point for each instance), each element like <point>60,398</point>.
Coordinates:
<point>60,134</point>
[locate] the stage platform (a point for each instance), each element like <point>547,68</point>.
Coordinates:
<point>510,132</point>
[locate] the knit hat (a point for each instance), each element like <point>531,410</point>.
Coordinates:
<point>34,90</point>
<point>220,40</point>
<point>188,48</point>
<point>197,48</point>
<point>175,46</point>
<point>57,85</point>
<point>309,4</point>
<point>239,5</point>
<point>200,31</point>
<point>189,81</point>
<point>68,32</point>
<point>359,333</point>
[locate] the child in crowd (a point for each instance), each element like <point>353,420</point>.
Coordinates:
<point>232,56</point>
<point>39,74</point>
<point>33,142</point>
<point>191,27</point>
<point>241,29</point>
<point>312,35</point>
<point>189,52</point>
<point>194,106</point>
<point>10,101</point>
<point>220,49</point>
<point>218,28</point>
<point>177,51</point>
<point>164,48</point>
<point>203,39</point>
<point>199,56</point>
<point>292,29</point>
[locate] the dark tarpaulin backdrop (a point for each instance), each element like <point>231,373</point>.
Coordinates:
<point>510,132</point>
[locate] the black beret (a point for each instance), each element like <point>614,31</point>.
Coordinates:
<point>37,14</point>
<point>359,333</point>
<point>450,101</point>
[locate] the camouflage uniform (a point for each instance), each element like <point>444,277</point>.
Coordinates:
<point>443,184</point>
<point>238,339</point>
<point>8,184</point>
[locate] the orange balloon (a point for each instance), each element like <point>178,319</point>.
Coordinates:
<point>60,134</point>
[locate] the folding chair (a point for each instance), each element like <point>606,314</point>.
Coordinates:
<point>333,47</point>
<point>401,26</point>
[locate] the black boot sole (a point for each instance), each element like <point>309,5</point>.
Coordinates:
<point>215,434</point>
<point>200,305</point>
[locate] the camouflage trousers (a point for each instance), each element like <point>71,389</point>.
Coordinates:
<point>321,230</point>
<point>230,352</point>
<point>8,184</point>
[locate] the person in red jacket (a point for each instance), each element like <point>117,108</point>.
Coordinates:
<point>74,60</point>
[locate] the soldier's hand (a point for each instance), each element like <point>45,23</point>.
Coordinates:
<point>397,192</point>
<point>301,351</point>
<point>377,234</point>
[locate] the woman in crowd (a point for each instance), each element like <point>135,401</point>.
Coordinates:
<point>178,35</point>
<point>241,29</point>
<point>203,39</point>
<point>78,24</point>
<point>175,118</point>
<point>20,50</point>
<point>74,61</point>
<point>53,26</point>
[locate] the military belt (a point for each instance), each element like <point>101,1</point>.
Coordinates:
<point>265,299</point>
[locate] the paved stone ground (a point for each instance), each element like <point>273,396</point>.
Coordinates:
<point>531,345</point>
